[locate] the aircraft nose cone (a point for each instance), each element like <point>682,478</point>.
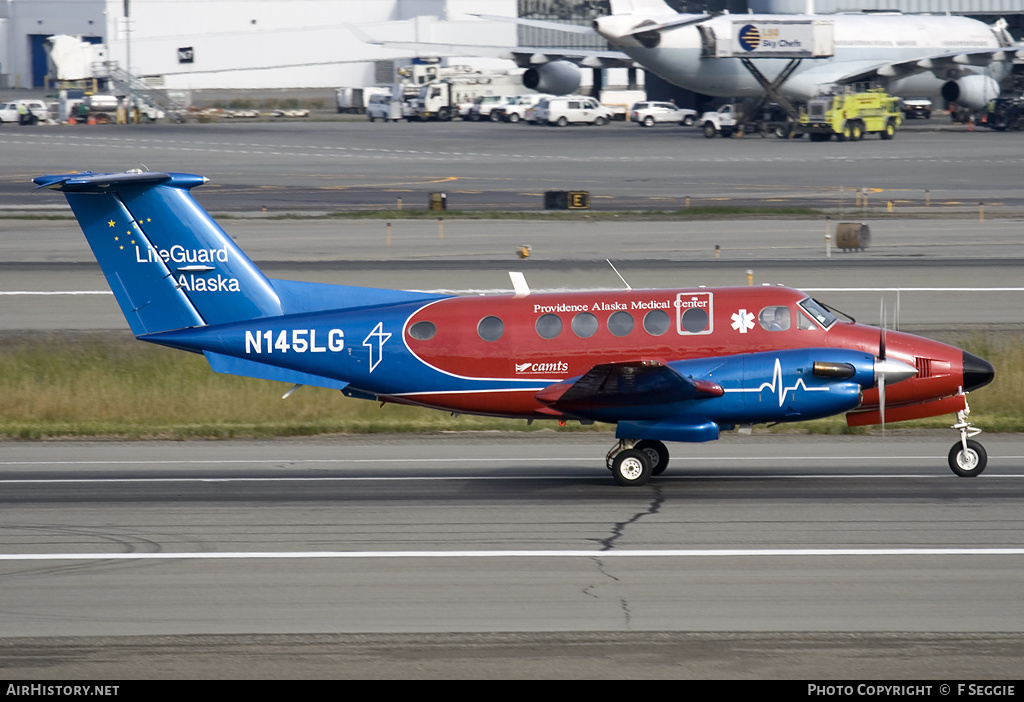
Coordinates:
<point>977,372</point>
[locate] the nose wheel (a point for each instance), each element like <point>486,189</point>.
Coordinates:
<point>633,462</point>
<point>967,458</point>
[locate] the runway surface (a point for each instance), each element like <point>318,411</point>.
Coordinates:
<point>517,555</point>
<point>517,534</point>
<point>356,165</point>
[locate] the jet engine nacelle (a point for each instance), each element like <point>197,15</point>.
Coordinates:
<point>972,91</point>
<point>556,78</point>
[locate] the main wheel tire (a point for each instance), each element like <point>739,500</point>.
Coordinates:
<point>632,467</point>
<point>969,463</point>
<point>562,122</point>
<point>709,130</point>
<point>658,453</point>
<point>444,115</point>
<point>648,121</point>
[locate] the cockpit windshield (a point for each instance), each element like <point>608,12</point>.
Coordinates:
<point>821,315</point>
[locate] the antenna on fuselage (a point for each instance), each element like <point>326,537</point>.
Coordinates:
<point>519,283</point>
<point>618,274</point>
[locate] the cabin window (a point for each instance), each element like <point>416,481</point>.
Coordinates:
<point>549,326</point>
<point>656,322</point>
<point>775,318</point>
<point>423,330</point>
<point>803,323</point>
<point>490,328</point>
<point>584,325</point>
<point>620,323</point>
<point>695,320</point>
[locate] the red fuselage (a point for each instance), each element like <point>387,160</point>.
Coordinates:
<point>546,338</point>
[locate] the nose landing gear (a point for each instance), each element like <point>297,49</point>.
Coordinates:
<point>967,458</point>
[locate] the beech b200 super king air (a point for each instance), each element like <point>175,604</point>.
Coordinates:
<point>661,365</point>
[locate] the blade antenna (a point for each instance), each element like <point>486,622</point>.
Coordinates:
<point>618,274</point>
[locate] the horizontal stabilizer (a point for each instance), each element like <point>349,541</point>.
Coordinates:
<point>89,182</point>
<point>229,365</point>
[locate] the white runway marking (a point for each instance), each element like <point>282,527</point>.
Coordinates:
<point>624,553</point>
<point>287,462</point>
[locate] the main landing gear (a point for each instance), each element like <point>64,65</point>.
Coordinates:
<point>633,461</point>
<point>967,458</point>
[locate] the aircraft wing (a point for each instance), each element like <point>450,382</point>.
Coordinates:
<point>626,384</point>
<point>939,64</point>
<point>524,56</point>
<point>676,20</point>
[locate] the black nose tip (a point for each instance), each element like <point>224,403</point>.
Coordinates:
<point>977,372</point>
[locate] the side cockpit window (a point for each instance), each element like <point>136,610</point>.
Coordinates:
<point>818,312</point>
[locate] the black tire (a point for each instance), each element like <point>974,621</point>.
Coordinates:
<point>495,116</point>
<point>444,115</point>
<point>600,121</point>
<point>632,468</point>
<point>709,130</point>
<point>890,130</point>
<point>648,121</point>
<point>562,122</point>
<point>971,463</point>
<point>658,453</point>
<point>688,120</point>
<point>513,117</point>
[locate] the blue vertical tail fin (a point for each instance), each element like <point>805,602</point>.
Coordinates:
<point>169,264</point>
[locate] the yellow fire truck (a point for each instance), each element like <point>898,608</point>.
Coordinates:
<point>851,115</point>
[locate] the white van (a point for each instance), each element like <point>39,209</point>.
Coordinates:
<point>516,110</point>
<point>379,107</point>
<point>483,106</point>
<point>573,109</point>
<point>37,111</point>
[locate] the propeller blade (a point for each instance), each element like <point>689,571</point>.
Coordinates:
<point>881,333</point>
<point>881,401</point>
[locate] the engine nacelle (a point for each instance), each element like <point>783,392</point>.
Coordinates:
<point>972,91</point>
<point>556,78</point>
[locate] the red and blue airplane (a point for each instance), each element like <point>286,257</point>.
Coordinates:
<point>662,365</point>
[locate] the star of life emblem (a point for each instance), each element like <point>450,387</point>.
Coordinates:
<point>742,321</point>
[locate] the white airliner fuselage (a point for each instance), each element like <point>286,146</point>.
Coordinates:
<point>912,55</point>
